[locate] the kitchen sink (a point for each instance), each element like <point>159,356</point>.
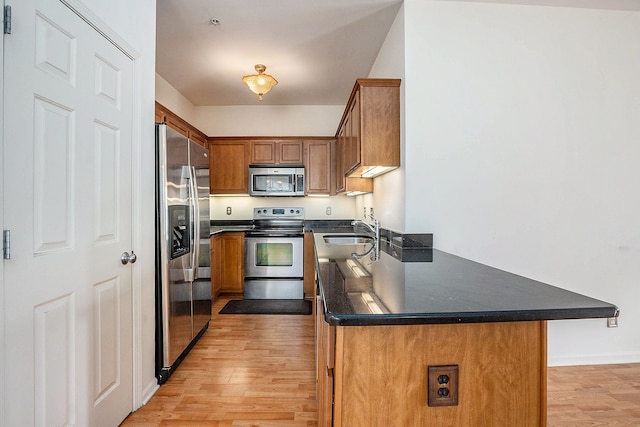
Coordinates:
<point>348,239</point>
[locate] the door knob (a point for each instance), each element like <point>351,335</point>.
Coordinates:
<point>126,258</point>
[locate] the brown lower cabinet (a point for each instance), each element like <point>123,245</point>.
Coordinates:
<point>325,357</point>
<point>309,265</point>
<point>377,375</point>
<point>227,263</point>
<point>215,270</point>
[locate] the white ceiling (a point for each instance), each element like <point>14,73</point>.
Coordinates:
<point>314,48</point>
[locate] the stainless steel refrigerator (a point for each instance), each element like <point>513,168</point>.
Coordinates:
<point>183,270</point>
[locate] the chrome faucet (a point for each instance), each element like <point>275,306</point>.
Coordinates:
<point>375,229</point>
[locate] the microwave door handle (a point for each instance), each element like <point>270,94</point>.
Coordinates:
<point>296,176</point>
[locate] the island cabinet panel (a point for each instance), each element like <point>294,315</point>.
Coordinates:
<point>276,152</point>
<point>228,162</point>
<point>325,351</point>
<point>380,375</point>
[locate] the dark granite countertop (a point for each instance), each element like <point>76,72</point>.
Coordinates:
<point>435,287</point>
<point>221,226</point>
<point>224,228</point>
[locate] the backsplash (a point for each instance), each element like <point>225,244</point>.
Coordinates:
<point>241,207</point>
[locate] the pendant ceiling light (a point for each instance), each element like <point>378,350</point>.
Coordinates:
<point>260,83</point>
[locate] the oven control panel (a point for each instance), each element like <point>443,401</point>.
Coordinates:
<point>282,212</point>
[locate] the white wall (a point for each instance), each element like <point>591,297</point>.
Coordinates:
<point>340,207</point>
<point>389,191</point>
<point>269,120</point>
<point>169,96</point>
<point>124,18</point>
<point>522,130</point>
<point>251,120</point>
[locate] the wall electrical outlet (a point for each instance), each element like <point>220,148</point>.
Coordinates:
<point>364,213</point>
<point>370,213</point>
<point>228,210</point>
<point>328,210</point>
<point>442,385</point>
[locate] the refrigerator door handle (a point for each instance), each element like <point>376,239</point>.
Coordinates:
<point>195,205</point>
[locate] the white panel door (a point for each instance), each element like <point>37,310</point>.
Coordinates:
<point>67,201</point>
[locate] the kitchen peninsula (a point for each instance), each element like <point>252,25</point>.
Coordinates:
<point>434,341</point>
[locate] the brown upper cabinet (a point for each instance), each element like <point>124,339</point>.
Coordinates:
<point>198,137</point>
<point>339,149</point>
<point>276,152</point>
<point>228,162</point>
<point>317,166</point>
<point>159,113</point>
<point>163,114</point>
<point>369,131</point>
<point>177,124</point>
<point>345,151</point>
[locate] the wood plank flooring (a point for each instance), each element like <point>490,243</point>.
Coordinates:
<point>246,370</point>
<point>258,370</point>
<point>593,396</point>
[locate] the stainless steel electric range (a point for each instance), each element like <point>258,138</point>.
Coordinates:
<point>274,254</point>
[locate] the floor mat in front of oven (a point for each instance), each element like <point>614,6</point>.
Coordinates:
<point>267,306</point>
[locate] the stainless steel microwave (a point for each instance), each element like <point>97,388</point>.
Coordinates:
<point>275,181</point>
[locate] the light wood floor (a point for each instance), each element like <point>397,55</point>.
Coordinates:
<point>258,370</point>
<point>246,370</point>
<point>593,396</point>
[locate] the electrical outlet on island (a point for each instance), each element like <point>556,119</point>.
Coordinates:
<point>442,385</point>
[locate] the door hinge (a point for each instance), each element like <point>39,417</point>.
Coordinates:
<point>6,244</point>
<point>7,19</point>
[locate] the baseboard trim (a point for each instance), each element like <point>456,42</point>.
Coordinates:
<point>595,359</point>
<point>149,391</point>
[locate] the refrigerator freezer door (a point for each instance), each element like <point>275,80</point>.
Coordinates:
<point>176,228</point>
<point>199,160</point>
<point>183,268</point>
